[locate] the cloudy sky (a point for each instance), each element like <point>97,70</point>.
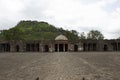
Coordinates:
<point>80,15</point>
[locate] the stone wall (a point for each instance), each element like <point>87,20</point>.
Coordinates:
<point>49,46</point>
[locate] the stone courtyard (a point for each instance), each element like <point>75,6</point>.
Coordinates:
<point>60,66</point>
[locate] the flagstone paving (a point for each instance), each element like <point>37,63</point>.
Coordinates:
<point>60,66</point>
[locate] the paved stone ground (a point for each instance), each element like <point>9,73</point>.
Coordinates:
<point>60,66</point>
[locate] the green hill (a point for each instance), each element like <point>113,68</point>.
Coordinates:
<point>34,30</point>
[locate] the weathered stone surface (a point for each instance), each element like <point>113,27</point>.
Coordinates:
<point>60,44</point>
<point>60,66</point>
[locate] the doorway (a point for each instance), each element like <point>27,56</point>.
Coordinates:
<point>105,47</point>
<point>60,47</point>
<point>46,48</point>
<point>17,48</point>
<point>66,47</point>
<point>75,48</point>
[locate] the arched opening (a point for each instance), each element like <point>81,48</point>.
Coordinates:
<point>114,46</point>
<point>32,47</point>
<point>118,46</point>
<point>75,48</point>
<point>84,47</point>
<point>94,47</point>
<point>17,48</point>
<point>89,46</point>
<point>28,47</point>
<point>6,47</point>
<point>66,47</point>
<point>37,47</point>
<point>105,47</point>
<point>60,47</point>
<point>56,47</point>
<point>46,48</point>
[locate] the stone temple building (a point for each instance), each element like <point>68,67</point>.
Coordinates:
<point>60,44</point>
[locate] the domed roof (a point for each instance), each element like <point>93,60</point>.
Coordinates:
<point>61,37</point>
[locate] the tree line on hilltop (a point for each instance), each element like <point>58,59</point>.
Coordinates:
<point>34,30</point>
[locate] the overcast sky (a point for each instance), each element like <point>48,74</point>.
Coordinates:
<point>80,15</point>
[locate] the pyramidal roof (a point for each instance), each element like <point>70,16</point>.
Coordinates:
<point>61,37</point>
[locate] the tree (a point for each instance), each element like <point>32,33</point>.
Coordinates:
<point>82,36</point>
<point>34,30</point>
<point>12,34</point>
<point>74,32</point>
<point>95,34</point>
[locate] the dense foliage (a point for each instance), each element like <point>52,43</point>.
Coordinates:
<point>82,36</point>
<point>95,34</point>
<point>34,30</point>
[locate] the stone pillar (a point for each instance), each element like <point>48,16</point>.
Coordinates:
<point>117,46</point>
<point>40,47</point>
<point>86,47</point>
<point>12,46</point>
<point>58,47</point>
<point>24,47</point>
<point>51,48</point>
<point>63,47</point>
<point>35,47</point>
<point>0,48</point>
<point>69,47</point>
